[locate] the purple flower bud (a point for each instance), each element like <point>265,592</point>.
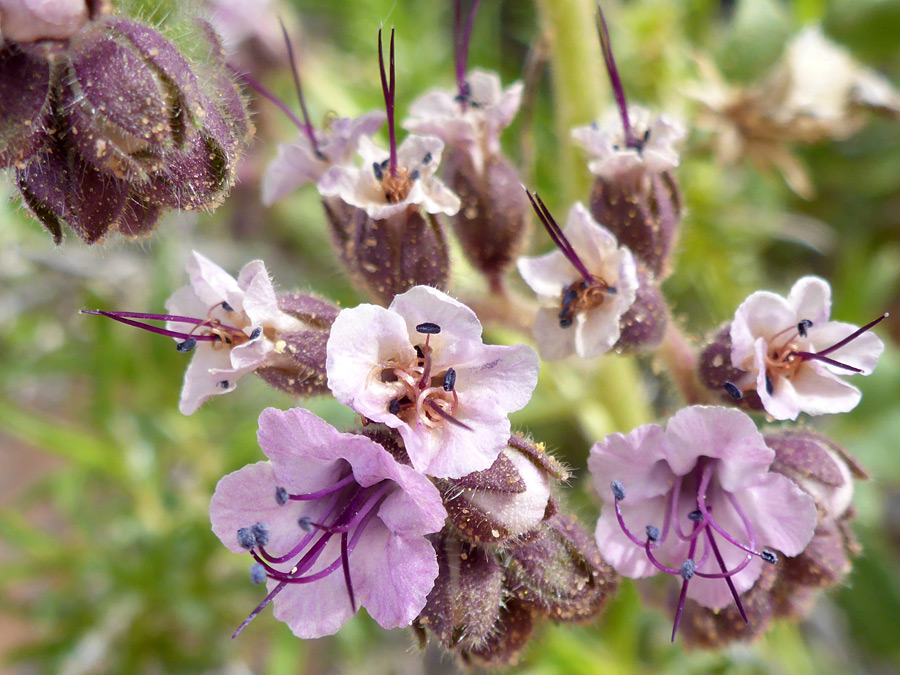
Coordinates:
<point>463,608</point>
<point>304,374</point>
<point>25,86</point>
<point>644,324</point>
<point>717,373</point>
<point>493,222</point>
<point>511,634</point>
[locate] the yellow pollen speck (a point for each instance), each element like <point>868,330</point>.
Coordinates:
<point>495,534</point>
<point>280,347</point>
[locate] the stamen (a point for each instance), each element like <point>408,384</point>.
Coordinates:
<point>618,490</point>
<point>223,384</point>
<point>449,379</point>
<point>428,328</point>
<point>557,235</point>
<point>447,416</point>
<point>261,533</point>
<point>305,523</point>
<point>803,326</point>
<point>378,171</point>
<point>257,573</point>
<point>721,561</point>
<point>613,72</point>
<point>187,345</point>
<point>388,92</point>
<point>769,557</point>
<point>245,538</point>
<point>126,318</point>
<point>461,45</point>
<point>696,516</point>
<point>281,496</point>
<point>684,588</point>
<point>256,333</point>
<point>224,305</point>
<point>653,533</point>
<point>394,407</point>
<point>345,563</point>
<point>260,89</point>
<point>260,607</point>
<point>770,385</point>
<point>733,391</point>
<point>342,483</point>
<point>308,127</point>
<point>822,355</point>
<point>687,569</point>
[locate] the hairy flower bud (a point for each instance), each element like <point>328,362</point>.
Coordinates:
<point>464,606</point>
<point>644,324</point>
<point>113,126</point>
<point>717,373</point>
<point>559,569</point>
<point>492,222</point>
<point>643,212</point>
<point>509,499</point>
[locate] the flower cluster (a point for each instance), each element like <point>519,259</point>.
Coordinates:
<point>432,511</point>
<point>108,124</point>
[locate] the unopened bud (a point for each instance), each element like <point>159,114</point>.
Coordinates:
<point>25,91</point>
<point>644,324</point>
<point>717,373</point>
<point>493,222</point>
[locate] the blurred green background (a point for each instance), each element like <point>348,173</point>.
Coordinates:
<point>107,562</point>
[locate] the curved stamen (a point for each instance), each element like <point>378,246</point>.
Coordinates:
<point>260,89</point>
<point>557,235</point>
<point>260,607</point>
<point>613,72</point>
<point>628,533</point>
<point>126,318</point>
<point>461,39</point>
<point>309,496</point>
<point>721,561</point>
<point>308,127</point>
<point>684,588</point>
<point>387,89</point>
<point>345,563</point>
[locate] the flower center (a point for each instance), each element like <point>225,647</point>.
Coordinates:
<point>700,528</point>
<point>344,509</point>
<point>422,394</point>
<point>580,296</point>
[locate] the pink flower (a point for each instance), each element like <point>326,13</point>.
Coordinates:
<point>653,151</point>
<point>591,280</point>
<point>793,354</point>
<point>420,367</point>
<point>299,162</point>
<point>472,123</point>
<point>234,324</point>
<point>32,20</point>
<point>382,195</point>
<point>332,521</point>
<point>703,489</point>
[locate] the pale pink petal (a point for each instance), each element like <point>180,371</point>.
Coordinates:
<point>548,274</point>
<point>211,283</point>
<point>396,578</point>
<point>553,341</point>
<point>783,403</point>
<point>259,301</point>
<point>363,339</point>
<point>345,134</point>
<point>208,374</point>
<point>637,460</point>
<point>726,434</point>
<point>506,376</point>
<point>415,149</point>
<point>763,314</point>
<point>810,298</point>
<point>820,392</point>
<point>783,516</point>
<point>424,304</point>
<point>596,330</point>
<point>293,166</point>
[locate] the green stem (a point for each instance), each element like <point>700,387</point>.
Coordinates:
<point>579,84</point>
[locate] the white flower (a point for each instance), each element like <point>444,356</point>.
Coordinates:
<point>794,355</point>
<point>236,328</point>
<point>656,139</point>
<point>373,187</point>
<point>420,367</point>
<point>298,163</point>
<point>473,124</point>
<point>590,292</point>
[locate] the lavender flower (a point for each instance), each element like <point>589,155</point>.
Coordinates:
<point>703,489</point>
<point>792,354</point>
<point>420,367</point>
<point>334,521</point>
<point>592,280</point>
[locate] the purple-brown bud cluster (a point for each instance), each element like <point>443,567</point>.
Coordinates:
<point>111,127</point>
<point>509,557</point>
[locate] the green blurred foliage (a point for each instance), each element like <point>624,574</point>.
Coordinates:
<point>107,563</point>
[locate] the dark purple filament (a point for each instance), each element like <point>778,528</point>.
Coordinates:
<point>703,526</point>
<point>461,37</point>
<point>822,355</point>
<point>348,509</point>
<point>387,88</point>
<point>261,89</point>
<point>126,318</point>
<point>618,90</point>
<point>556,234</point>
<point>308,127</point>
